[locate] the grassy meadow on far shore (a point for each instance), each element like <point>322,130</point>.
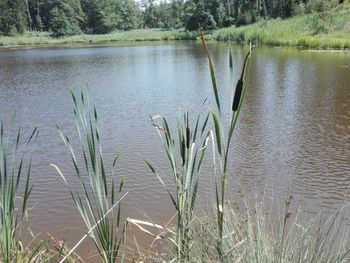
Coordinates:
<point>327,30</point>
<point>32,39</point>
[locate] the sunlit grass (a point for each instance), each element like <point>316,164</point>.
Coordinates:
<point>44,38</point>
<point>330,29</point>
<point>255,234</point>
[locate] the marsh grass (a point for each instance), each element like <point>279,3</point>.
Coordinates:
<point>98,194</point>
<point>44,39</point>
<point>329,29</point>
<point>190,145</point>
<point>223,139</point>
<point>256,235</point>
<point>15,175</point>
<point>185,152</point>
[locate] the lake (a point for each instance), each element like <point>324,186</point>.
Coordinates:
<point>293,134</point>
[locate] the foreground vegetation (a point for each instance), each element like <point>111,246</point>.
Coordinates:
<point>235,231</point>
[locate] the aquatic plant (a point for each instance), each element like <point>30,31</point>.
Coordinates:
<point>192,140</point>
<point>222,143</point>
<point>98,194</point>
<point>15,173</point>
<point>191,148</point>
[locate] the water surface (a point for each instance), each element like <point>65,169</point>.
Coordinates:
<point>293,135</point>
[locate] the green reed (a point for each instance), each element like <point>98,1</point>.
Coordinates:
<point>98,193</point>
<point>185,152</point>
<point>223,142</point>
<point>14,171</point>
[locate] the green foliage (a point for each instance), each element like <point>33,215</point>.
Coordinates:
<point>127,15</point>
<point>98,194</point>
<point>38,23</point>
<point>185,154</point>
<point>320,5</point>
<point>104,16</point>
<point>13,17</point>
<point>61,25</point>
<point>257,235</point>
<point>14,174</point>
<point>318,30</point>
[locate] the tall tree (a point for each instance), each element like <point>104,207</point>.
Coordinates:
<point>13,16</point>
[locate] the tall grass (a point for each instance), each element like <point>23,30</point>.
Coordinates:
<point>255,235</point>
<point>190,145</point>
<point>98,193</point>
<point>185,152</point>
<point>329,29</point>
<point>15,173</point>
<point>236,236</point>
<point>223,141</point>
<point>44,39</point>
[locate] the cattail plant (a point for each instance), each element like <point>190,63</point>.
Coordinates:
<point>98,193</point>
<point>190,145</point>
<point>186,171</point>
<point>223,143</point>
<point>14,172</point>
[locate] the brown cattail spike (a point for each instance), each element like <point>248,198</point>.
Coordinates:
<point>239,86</point>
<point>187,131</point>
<point>238,94</point>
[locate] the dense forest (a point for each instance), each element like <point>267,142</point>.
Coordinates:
<point>71,17</point>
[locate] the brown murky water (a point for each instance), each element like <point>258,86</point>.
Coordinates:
<point>293,135</point>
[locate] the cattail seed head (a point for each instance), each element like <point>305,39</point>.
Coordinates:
<point>238,94</point>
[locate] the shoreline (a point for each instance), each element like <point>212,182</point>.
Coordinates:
<point>120,43</point>
<point>324,31</point>
<point>91,42</point>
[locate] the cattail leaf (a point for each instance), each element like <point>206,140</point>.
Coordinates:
<point>150,166</point>
<point>58,170</point>
<point>27,189</point>
<point>17,140</point>
<point>217,131</point>
<point>73,98</point>
<point>205,123</point>
<point>116,158</point>
<point>35,132</point>
<point>196,129</point>
<point>161,181</point>
<point>121,184</point>
<point>112,192</point>
<point>95,113</point>
<point>212,71</point>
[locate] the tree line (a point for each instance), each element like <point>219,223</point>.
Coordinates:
<point>71,17</point>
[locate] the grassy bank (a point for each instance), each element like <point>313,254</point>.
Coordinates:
<point>32,39</point>
<point>325,30</point>
<point>329,29</point>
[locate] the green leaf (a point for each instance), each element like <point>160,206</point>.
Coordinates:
<point>217,131</point>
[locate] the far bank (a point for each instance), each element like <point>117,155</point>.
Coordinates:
<point>326,30</point>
